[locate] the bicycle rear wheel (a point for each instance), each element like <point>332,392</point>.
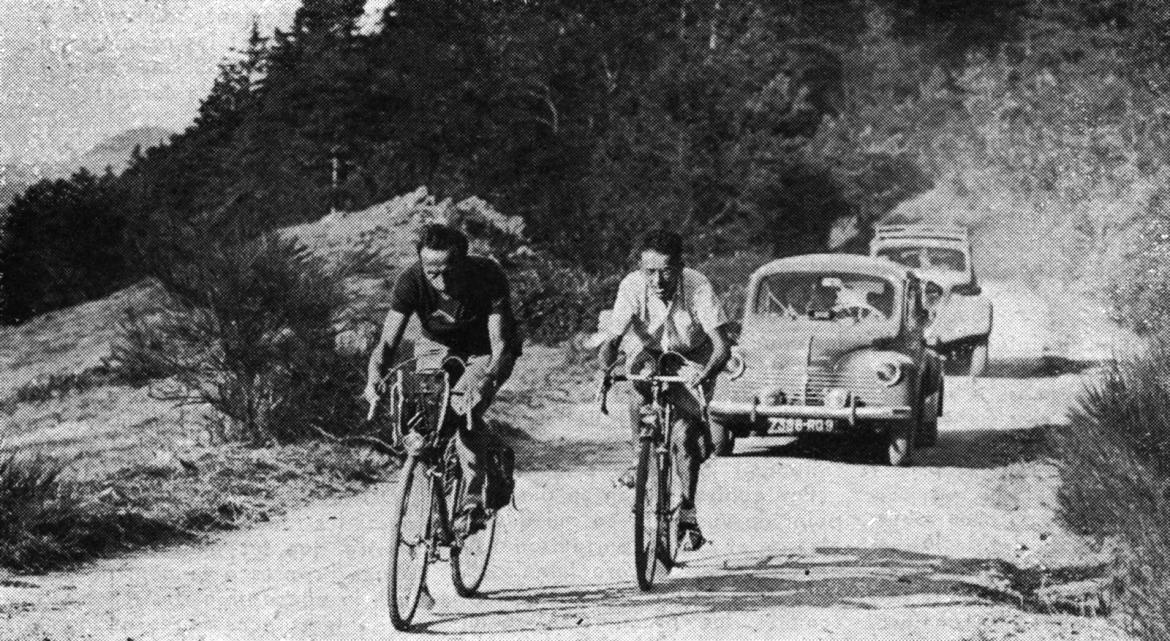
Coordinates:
<point>411,550</point>
<point>471,554</point>
<point>647,494</point>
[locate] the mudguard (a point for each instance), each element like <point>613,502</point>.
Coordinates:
<point>961,318</point>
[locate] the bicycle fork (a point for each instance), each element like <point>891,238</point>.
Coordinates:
<point>661,435</point>
<point>441,534</point>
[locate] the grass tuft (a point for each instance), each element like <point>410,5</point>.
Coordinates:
<point>46,525</point>
<point>1116,481</point>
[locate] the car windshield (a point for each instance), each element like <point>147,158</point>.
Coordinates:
<point>826,296</point>
<point>940,258</point>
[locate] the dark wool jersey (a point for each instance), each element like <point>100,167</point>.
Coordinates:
<point>459,323</point>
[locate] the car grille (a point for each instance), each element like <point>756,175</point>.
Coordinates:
<point>801,388</point>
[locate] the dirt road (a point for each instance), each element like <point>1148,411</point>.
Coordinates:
<point>805,545</point>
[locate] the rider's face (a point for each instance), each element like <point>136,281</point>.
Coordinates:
<point>440,268</point>
<point>661,274</point>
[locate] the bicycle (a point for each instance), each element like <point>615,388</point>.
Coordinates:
<point>656,497</point>
<point>430,490</point>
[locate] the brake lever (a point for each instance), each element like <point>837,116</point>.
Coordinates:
<point>606,384</point>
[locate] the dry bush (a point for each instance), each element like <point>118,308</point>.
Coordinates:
<point>46,525</point>
<point>248,328</point>
<point>1116,481</point>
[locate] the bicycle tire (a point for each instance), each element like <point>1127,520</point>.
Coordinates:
<point>668,539</point>
<point>411,550</point>
<point>646,521</point>
<point>469,556</point>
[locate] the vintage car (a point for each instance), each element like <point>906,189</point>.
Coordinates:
<point>832,344</point>
<point>961,315</point>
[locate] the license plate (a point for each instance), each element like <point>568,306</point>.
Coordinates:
<point>788,425</point>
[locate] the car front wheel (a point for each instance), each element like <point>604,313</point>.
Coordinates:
<point>900,443</point>
<point>900,438</point>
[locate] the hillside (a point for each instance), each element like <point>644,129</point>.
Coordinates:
<point>57,394</point>
<point>117,151</point>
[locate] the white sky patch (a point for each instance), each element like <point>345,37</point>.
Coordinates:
<point>75,72</point>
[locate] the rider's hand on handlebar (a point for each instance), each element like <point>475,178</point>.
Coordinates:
<point>694,376</point>
<point>372,394</point>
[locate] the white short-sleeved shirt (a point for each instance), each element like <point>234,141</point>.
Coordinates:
<point>680,324</point>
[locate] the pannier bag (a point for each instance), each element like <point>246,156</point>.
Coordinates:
<point>499,482</point>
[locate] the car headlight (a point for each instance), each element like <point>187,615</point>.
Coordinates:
<point>837,397</point>
<point>888,373</point>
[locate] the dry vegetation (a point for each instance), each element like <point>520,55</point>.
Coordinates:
<point>97,456</point>
<point>1116,478</point>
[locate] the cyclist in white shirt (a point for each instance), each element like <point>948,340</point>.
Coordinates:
<point>670,307</point>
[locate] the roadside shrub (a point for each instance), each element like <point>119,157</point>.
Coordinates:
<point>1116,480</point>
<point>45,525</point>
<point>248,327</point>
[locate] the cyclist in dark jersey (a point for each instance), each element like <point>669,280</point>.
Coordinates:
<point>464,307</point>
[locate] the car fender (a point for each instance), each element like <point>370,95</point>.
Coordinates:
<point>862,363</point>
<point>961,318</point>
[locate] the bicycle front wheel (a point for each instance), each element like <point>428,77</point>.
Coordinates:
<point>667,509</point>
<point>471,554</point>
<point>411,550</point>
<point>647,495</point>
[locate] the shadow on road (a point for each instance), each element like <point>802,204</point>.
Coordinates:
<point>1043,367</point>
<point>860,578</point>
<point>987,449</point>
<point>968,449</point>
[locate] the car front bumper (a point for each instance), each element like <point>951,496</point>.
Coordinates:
<point>851,414</point>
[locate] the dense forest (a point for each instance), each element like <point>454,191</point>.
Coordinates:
<point>749,124</point>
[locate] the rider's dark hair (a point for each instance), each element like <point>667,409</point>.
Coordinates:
<point>442,238</point>
<point>664,242</point>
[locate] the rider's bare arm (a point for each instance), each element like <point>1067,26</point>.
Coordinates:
<point>719,355</point>
<point>383,353</point>
<point>621,317</point>
<point>712,320</point>
<point>504,345</point>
